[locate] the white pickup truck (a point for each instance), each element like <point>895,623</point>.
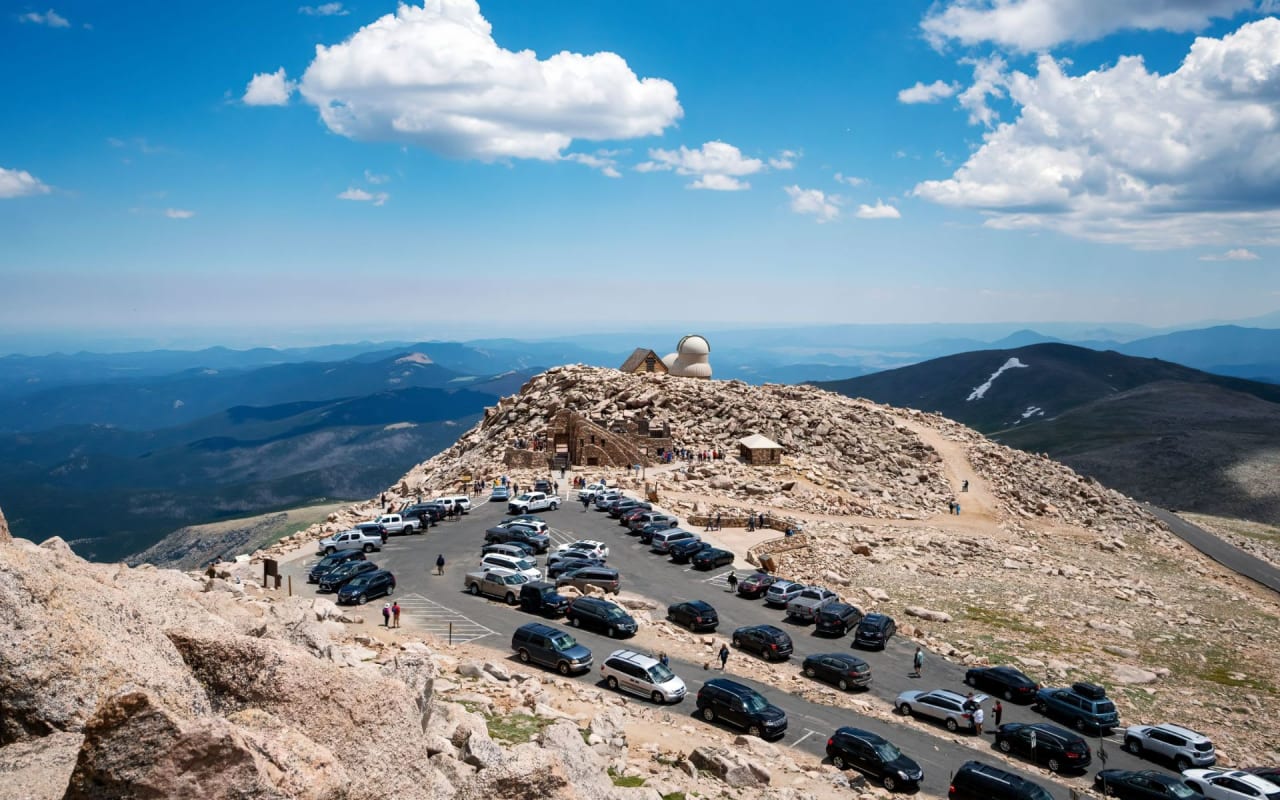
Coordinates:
<point>396,524</point>
<point>351,540</point>
<point>533,501</point>
<point>590,492</point>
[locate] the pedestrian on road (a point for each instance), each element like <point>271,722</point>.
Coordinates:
<point>662,657</point>
<point>724,655</point>
<point>395,614</point>
<point>917,662</point>
<point>733,582</point>
<point>977,720</point>
<point>964,487</point>
<point>717,520</point>
<point>386,615</point>
<point>586,501</point>
<point>440,564</point>
<point>957,509</point>
<point>997,711</point>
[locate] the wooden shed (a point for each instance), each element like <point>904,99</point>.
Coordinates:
<point>644,361</point>
<point>759,451</point>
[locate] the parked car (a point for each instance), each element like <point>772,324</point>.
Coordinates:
<point>874,631</point>
<point>1011,684</point>
<point>551,647</point>
<point>875,756</point>
<point>616,510</point>
<point>533,501</point>
<point>837,619</point>
<point>499,494</point>
<point>1057,748</point>
<point>1217,784</point>
<point>512,549</point>
<point>373,529</point>
<point>590,546</point>
<point>602,615</point>
<point>841,669</point>
<point>712,557</point>
<point>1084,706</point>
<point>400,525</point>
<point>812,599</point>
<point>501,534</point>
<point>606,498</point>
<point>949,708</point>
<point>504,584</point>
<point>683,551</point>
<point>332,560</point>
<point>977,781</point>
<point>336,578</point>
<point>1143,785</point>
<point>767,641</point>
<point>534,521</point>
<point>696,615</point>
<point>560,563</point>
<point>591,491</point>
<point>604,577</point>
<point>523,566</point>
<point>540,597</point>
<point>542,485</point>
<point>1268,773</point>
<point>663,541</point>
<point>350,540</point>
<point>629,671</point>
<point>359,589</point>
<point>755,585</point>
<point>781,592</point>
<point>458,503</point>
<point>1179,746</point>
<point>638,521</point>
<point>425,512</point>
<point>742,707</point>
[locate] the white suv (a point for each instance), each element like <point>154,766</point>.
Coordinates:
<point>643,675</point>
<point>591,547</point>
<point>520,566</point>
<point>1183,747</point>
<point>351,540</point>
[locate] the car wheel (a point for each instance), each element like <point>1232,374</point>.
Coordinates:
<point>1181,764</point>
<point>737,644</point>
<point>843,684</point>
<point>837,761</point>
<point>1004,746</point>
<point>1111,791</point>
<point>575,622</point>
<point>1037,707</point>
<point>612,683</point>
<point>1134,746</point>
<point>1008,695</point>
<point>969,679</point>
<point>889,783</point>
<point>1054,765</point>
<point>361,600</point>
<point>328,551</point>
<point>613,633</point>
<point>905,709</point>
<point>474,588</point>
<point>810,672</point>
<point>368,548</point>
<point>657,698</point>
<point>1079,723</point>
<point>709,714</point>
<point>952,725</point>
<point>511,599</point>
<point>524,656</point>
<point>563,667</point>
<point>755,731</point>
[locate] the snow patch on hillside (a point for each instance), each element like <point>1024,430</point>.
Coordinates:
<point>979,392</point>
<point>1033,411</point>
<point>415,358</point>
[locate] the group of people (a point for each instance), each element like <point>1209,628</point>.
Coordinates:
<point>713,522</point>
<point>970,704</point>
<point>755,521</point>
<point>391,615</point>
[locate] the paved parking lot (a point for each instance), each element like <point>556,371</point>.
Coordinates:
<point>432,601</point>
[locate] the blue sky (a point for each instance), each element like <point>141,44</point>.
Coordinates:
<point>304,173</point>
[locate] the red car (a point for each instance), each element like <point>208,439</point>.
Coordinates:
<point>754,586</point>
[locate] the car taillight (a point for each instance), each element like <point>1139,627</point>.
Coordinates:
<point>830,742</point>
<point>1071,754</point>
<point>773,646</point>
<point>697,619</point>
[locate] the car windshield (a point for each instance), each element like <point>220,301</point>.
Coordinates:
<point>660,673</point>
<point>755,702</point>
<point>613,612</point>
<point>1036,793</point>
<point>524,564</point>
<point>563,641</point>
<point>887,751</point>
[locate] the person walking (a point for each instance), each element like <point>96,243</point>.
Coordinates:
<point>997,711</point>
<point>917,663</point>
<point>977,720</point>
<point>662,657</point>
<point>717,520</point>
<point>724,655</point>
<point>386,615</point>
<point>733,582</point>
<point>964,487</point>
<point>395,614</point>
<point>586,501</point>
<point>440,564</point>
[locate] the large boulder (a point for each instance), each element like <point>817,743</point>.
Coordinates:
<point>40,768</point>
<point>5,536</point>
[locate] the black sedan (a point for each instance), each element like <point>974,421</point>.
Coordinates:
<point>1057,748</point>
<point>682,552</point>
<point>711,557</point>
<point>841,669</point>
<point>695,615</point>
<point>1144,785</point>
<point>875,756</point>
<point>570,560</point>
<point>754,586</point>
<point>1006,682</point>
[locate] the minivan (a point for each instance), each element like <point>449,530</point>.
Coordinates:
<point>550,647</point>
<point>605,577</point>
<point>977,781</point>
<point>644,675</point>
<point>663,540</point>
<point>523,566</point>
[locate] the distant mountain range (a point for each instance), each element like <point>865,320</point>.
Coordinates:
<point>1162,432</point>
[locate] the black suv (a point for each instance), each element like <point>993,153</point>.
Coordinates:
<point>875,756</point>
<point>875,630</point>
<point>696,615</point>
<point>359,589</point>
<point>977,781</point>
<point>541,597</point>
<point>681,552</point>
<point>1057,748</point>
<point>769,642</point>
<point>837,619</point>
<point>1011,684</point>
<point>336,578</point>
<point>602,615</point>
<point>517,533</point>
<point>426,513</point>
<point>741,706</point>
<point>1144,785</point>
<point>844,670</point>
<point>333,560</point>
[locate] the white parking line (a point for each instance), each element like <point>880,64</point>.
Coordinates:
<point>808,732</point>
<point>436,619</point>
<point>721,580</point>
<point>558,536</point>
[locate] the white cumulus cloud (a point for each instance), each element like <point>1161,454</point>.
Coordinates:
<point>324,10</point>
<point>20,183</point>
<point>852,180</point>
<point>602,160</point>
<point>269,89</point>
<point>178,213</point>
<point>1123,154</point>
<point>49,18</point>
<point>717,165</point>
<point>784,160</point>
<point>361,196</point>
<point>814,202</point>
<point>1033,25</point>
<point>433,76</point>
<point>1238,254</point>
<point>927,93</point>
<point>880,210</point>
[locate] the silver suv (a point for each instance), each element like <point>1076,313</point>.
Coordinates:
<point>643,675</point>
<point>1182,747</point>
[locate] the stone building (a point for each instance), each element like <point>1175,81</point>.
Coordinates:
<point>759,451</point>
<point>644,362</point>
<point>691,358</point>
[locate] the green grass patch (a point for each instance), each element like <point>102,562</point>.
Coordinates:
<point>625,780</point>
<point>514,728</point>
<point>673,796</point>
<point>1217,665</point>
<point>998,619</point>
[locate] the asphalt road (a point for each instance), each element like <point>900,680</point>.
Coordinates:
<point>1226,554</point>
<point>436,602</point>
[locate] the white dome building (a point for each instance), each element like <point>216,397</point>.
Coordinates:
<point>690,360</point>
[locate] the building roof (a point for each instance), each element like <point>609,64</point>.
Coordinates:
<point>757,442</point>
<point>637,358</point>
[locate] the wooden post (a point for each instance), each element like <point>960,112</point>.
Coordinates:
<point>291,586</point>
